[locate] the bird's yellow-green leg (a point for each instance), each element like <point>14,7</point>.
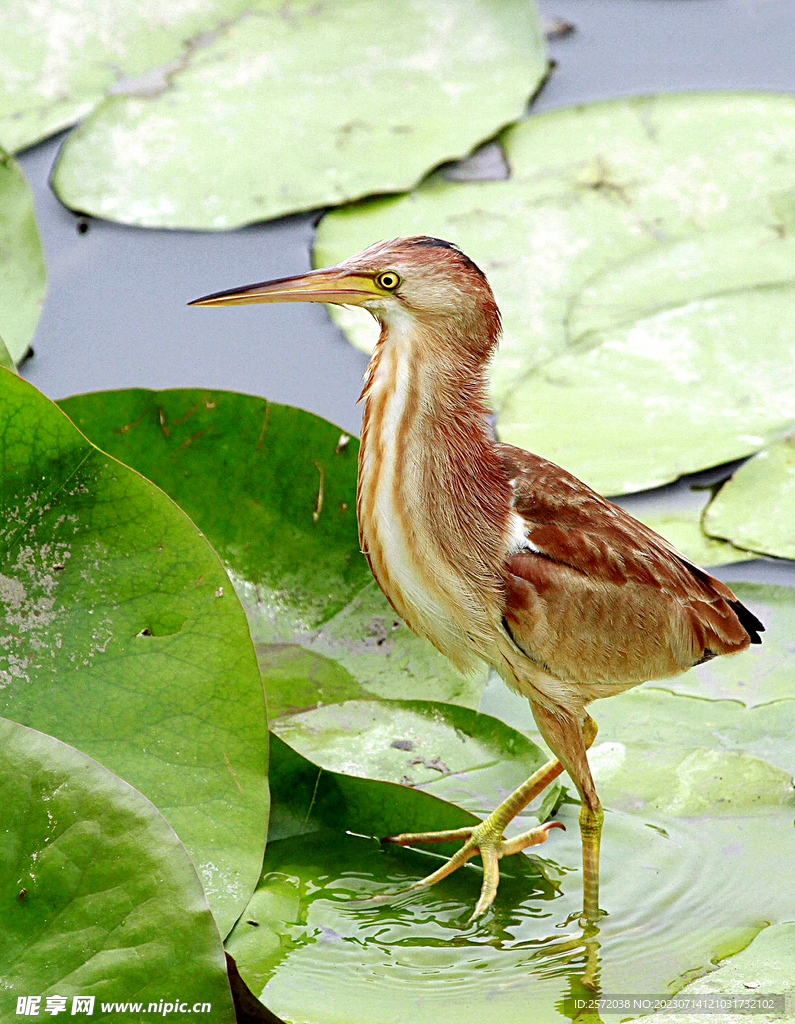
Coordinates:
<point>591,832</point>
<point>487,838</point>
<point>569,738</point>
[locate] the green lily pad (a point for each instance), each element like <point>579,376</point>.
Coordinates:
<point>471,759</point>
<point>647,717</point>
<point>122,635</point>
<point>61,58</point>
<point>316,108</point>
<point>274,490</point>
<point>22,266</point>
<point>688,783</point>
<point>298,679</point>
<point>755,509</point>
<point>743,984</point>
<point>604,203</point>
<point>722,363</point>
<point>100,898</point>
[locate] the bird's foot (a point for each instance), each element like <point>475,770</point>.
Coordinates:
<point>485,839</point>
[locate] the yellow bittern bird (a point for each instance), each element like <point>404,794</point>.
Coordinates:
<point>496,554</point>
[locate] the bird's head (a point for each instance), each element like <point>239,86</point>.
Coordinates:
<point>419,283</point>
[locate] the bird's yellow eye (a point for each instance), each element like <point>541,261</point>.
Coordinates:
<point>389,280</point>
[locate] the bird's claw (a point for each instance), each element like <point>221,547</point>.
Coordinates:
<point>485,839</point>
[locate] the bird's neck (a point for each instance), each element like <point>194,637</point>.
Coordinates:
<point>428,466</point>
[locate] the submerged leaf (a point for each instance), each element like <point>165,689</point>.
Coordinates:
<point>121,634</point>
<point>642,285</point>
<point>274,490</point>
<point>314,107</point>
<point>100,898</point>
<point>755,509</point>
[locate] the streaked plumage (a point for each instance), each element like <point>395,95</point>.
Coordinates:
<point>496,554</point>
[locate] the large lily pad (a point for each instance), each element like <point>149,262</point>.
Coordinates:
<point>471,759</point>
<point>122,635</point>
<point>100,897</point>
<point>755,509</point>
<point>274,490</point>
<point>311,106</point>
<point>22,263</point>
<point>60,58</point>
<point>635,271</point>
<point>649,717</point>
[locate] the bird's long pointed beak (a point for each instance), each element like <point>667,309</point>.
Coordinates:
<point>333,284</point>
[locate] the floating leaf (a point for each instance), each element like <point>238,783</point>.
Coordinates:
<point>743,984</point>
<point>633,217</point>
<point>724,363</point>
<point>121,633</point>
<point>468,758</point>
<point>648,717</point>
<point>688,783</point>
<point>755,509</point>
<point>22,265</point>
<point>100,898</point>
<point>59,59</point>
<point>274,490</point>
<point>315,108</point>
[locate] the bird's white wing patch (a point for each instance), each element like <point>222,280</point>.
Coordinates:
<point>517,536</point>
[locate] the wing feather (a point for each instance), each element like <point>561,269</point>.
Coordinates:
<point>598,596</point>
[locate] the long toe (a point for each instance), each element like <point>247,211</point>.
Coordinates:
<point>485,840</point>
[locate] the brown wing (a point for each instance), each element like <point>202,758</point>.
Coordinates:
<point>598,596</point>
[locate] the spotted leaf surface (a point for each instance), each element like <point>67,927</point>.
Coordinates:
<point>121,634</point>
<point>274,490</point>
